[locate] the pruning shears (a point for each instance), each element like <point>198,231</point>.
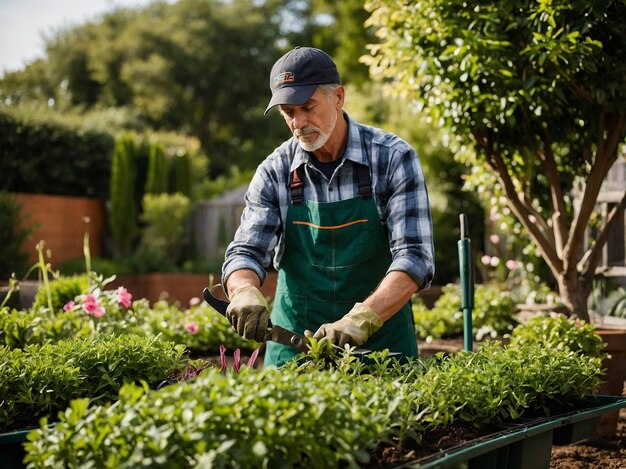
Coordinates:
<point>279,334</point>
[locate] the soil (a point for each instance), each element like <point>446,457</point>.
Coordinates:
<point>598,453</point>
<point>605,453</point>
<point>601,453</point>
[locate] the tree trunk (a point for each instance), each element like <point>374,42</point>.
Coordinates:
<point>575,292</point>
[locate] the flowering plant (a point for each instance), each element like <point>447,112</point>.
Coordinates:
<point>98,301</point>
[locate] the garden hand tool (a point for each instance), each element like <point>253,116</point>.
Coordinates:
<point>277,333</point>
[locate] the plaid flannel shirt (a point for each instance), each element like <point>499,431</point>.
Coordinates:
<point>399,190</point>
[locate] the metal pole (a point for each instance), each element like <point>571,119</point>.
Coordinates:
<point>466,272</point>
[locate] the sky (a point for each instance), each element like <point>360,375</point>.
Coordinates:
<point>24,22</point>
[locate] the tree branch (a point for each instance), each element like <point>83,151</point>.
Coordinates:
<point>599,170</point>
<point>521,210</point>
<point>546,159</point>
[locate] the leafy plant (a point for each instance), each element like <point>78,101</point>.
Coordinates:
<point>62,290</point>
<point>104,311</point>
<point>302,415</point>
<point>162,235</point>
<point>122,208</point>
<point>42,379</point>
<point>13,232</point>
<point>558,332</point>
<point>156,181</point>
<point>493,314</point>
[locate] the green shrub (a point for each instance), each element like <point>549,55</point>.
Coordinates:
<point>122,204</point>
<point>559,332</point>
<point>302,416</point>
<point>44,155</point>
<point>42,379</point>
<point>200,328</point>
<point>62,290</point>
<point>162,236</point>
<point>493,314</point>
<point>156,181</point>
<point>13,233</point>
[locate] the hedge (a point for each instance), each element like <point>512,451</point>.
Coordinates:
<point>42,156</point>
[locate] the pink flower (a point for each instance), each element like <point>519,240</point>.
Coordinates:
<point>194,301</point>
<point>92,306</point>
<point>192,327</point>
<point>123,297</point>
<point>494,238</point>
<point>512,265</point>
<point>485,260</point>
<point>494,261</point>
<point>69,306</point>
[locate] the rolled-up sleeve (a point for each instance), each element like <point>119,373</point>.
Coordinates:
<point>259,230</point>
<point>409,220</point>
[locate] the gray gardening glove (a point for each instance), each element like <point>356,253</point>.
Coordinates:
<point>354,328</point>
<point>248,312</point>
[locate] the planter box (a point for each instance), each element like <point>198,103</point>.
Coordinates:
<point>526,446</point>
<point>59,221</point>
<point>614,341</point>
<point>523,446</point>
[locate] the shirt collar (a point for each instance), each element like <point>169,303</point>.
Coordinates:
<point>353,152</point>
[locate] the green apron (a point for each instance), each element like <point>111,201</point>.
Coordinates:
<point>335,255</point>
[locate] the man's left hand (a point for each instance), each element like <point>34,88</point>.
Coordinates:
<point>354,328</point>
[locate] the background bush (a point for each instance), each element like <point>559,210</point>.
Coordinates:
<point>42,155</point>
<point>12,236</point>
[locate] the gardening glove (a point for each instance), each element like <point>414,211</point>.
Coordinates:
<point>248,312</point>
<point>354,328</point>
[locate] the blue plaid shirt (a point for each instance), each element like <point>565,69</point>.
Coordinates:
<point>399,189</point>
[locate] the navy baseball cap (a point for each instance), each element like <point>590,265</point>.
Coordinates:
<point>296,75</point>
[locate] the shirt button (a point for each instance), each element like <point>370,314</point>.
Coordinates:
<point>330,189</point>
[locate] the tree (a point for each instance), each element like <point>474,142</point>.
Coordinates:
<point>538,89</point>
<point>198,67</point>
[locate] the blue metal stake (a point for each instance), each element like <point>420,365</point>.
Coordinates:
<point>466,272</point>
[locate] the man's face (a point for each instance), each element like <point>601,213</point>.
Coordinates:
<point>313,122</point>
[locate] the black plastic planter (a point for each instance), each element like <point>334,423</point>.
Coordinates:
<point>524,446</point>
<point>12,450</point>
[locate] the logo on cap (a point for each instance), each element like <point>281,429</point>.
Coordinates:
<point>285,77</point>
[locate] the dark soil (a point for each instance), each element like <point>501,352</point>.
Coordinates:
<point>600,453</point>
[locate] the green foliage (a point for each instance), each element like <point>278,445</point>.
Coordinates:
<point>444,176</point>
<point>62,290</point>
<point>273,417</point>
<point>212,188</point>
<point>536,89</point>
<point>162,233</point>
<point>200,328</point>
<point>183,174</point>
<point>560,333</point>
<point>156,182</point>
<point>493,314</point>
<point>43,155</point>
<point>173,64</point>
<point>13,233</point>
<point>42,379</point>
<point>122,209</point>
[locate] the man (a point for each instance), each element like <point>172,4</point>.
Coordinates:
<point>344,209</point>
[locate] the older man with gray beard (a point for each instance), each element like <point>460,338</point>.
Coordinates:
<point>342,210</point>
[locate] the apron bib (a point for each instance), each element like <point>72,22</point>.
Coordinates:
<point>335,255</point>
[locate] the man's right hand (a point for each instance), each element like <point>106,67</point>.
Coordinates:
<point>248,312</point>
